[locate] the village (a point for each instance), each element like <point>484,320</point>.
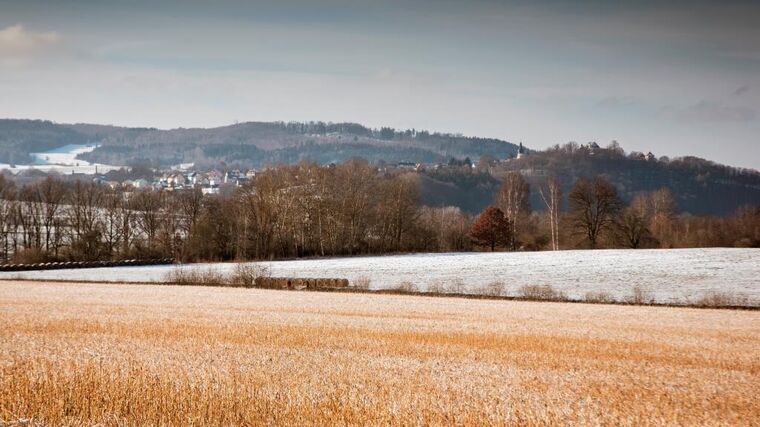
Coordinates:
<point>185,176</point>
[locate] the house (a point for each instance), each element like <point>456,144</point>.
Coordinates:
<point>215,177</point>
<point>200,179</point>
<point>137,183</point>
<point>176,180</point>
<point>231,176</point>
<point>406,165</point>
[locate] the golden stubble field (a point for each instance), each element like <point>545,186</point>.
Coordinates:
<point>83,354</point>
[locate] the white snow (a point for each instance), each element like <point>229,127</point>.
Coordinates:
<point>63,160</point>
<point>668,275</point>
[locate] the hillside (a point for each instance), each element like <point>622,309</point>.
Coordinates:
<point>252,144</point>
<point>699,186</point>
<point>18,138</point>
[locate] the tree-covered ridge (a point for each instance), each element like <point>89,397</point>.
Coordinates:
<point>700,186</point>
<point>19,138</point>
<point>251,144</point>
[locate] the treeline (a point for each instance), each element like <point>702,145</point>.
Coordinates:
<point>249,144</point>
<point>288,211</point>
<point>348,209</point>
<point>597,217</point>
<point>699,186</point>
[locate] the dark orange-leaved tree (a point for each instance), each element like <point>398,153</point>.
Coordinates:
<point>491,228</point>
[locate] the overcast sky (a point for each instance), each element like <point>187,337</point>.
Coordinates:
<point>678,78</point>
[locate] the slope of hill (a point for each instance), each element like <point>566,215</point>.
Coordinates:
<point>252,144</point>
<point>699,186</point>
<point>20,138</point>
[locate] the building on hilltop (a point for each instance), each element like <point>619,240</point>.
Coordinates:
<point>521,152</point>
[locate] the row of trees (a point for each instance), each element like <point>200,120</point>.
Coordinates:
<point>288,211</point>
<point>596,216</point>
<point>349,209</point>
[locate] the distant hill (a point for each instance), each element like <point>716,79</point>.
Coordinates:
<point>252,144</point>
<point>18,138</point>
<point>700,186</point>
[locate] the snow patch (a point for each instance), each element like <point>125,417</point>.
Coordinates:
<point>63,160</point>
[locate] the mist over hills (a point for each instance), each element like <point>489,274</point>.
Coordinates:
<point>700,186</point>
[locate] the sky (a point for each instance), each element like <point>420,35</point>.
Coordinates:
<point>675,78</point>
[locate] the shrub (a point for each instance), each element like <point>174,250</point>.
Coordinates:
<point>436,288</point>
<point>406,286</point>
<point>494,289</point>
<point>455,287</point>
<point>721,299</point>
<point>245,274</point>
<point>599,297</point>
<point>195,276</point>
<point>640,296</point>
<point>362,282</point>
<point>541,293</point>
<point>32,256</point>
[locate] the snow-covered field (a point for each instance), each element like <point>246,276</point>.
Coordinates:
<point>63,160</point>
<point>668,276</point>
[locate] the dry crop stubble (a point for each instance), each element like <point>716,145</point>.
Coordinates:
<point>160,355</point>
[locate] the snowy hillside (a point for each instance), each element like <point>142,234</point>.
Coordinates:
<point>63,160</point>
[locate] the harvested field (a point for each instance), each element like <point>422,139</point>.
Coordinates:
<point>159,355</point>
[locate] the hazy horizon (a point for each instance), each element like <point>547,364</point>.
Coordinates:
<point>681,78</point>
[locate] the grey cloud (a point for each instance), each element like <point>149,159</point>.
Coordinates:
<point>708,111</point>
<point>741,90</point>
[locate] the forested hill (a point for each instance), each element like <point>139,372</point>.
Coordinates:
<point>698,185</point>
<point>252,144</point>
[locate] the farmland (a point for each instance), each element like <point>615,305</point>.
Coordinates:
<point>666,276</point>
<point>145,354</point>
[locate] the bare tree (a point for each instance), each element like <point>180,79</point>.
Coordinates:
<point>28,217</point>
<point>662,214</point>
<point>593,208</point>
<point>149,208</point>
<point>190,203</point>
<point>633,228</point>
<point>7,207</point>
<point>398,209</point>
<point>114,211</point>
<point>86,201</point>
<point>512,199</point>
<point>84,209</point>
<point>355,190</point>
<point>551,194</point>
<point>51,194</point>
